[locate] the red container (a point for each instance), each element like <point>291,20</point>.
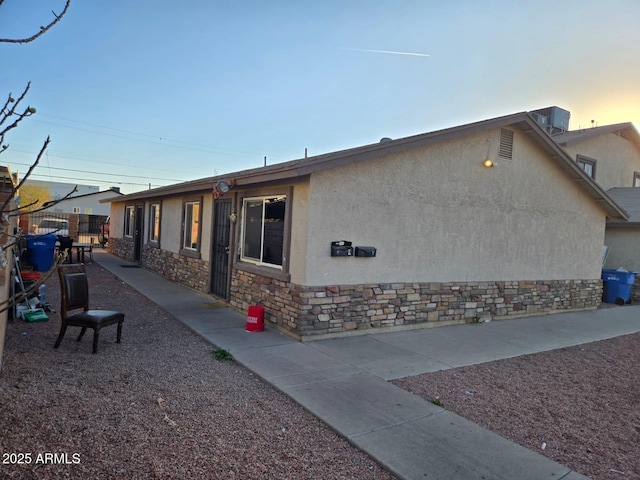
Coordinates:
<point>34,276</point>
<point>255,319</point>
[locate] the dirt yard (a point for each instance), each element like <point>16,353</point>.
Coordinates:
<point>156,406</point>
<point>579,406</point>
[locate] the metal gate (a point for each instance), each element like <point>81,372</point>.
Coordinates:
<point>221,237</point>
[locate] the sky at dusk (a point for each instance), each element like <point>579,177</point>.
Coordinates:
<point>155,92</point>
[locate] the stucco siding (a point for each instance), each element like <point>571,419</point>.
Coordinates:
<point>171,224</point>
<point>616,159</point>
<point>624,244</point>
<point>299,229</point>
<point>436,214</point>
<point>116,222</point>
<point>206,227</point>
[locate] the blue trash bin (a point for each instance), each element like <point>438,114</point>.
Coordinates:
<point>617,286</point>
<point>41,251</point>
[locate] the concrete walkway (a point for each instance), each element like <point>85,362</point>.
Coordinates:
<point>344,381</point>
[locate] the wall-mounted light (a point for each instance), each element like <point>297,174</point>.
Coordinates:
<point>488,163</point>
<point>233,217</point>
<point>222,187</point>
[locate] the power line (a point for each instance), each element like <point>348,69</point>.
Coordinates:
<point>103,173</point>
<point>163,140</point>
<point>92,180</point>
<point>102,162</point>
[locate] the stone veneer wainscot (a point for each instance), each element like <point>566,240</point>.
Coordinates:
<point>305,311</point>
<point>189,271</point>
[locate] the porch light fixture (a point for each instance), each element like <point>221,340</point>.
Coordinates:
<point>233,217</point>
<point>488,163</point>
<point>222,187</point>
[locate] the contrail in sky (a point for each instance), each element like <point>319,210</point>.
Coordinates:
<point>389,51</point>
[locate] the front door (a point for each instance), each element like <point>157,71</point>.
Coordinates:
<point>137,234</point>
<point>221,238</point>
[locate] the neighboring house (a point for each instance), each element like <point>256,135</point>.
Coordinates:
<point>86,204</point>
<point>81,216</point>
<point>609,154</point>
<point>623,237</point>
<point>452,240</point>
<point>60,190</point>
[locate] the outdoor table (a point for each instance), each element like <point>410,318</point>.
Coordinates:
<point>80,250</point>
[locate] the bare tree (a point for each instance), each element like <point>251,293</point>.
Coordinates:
<point>12,113</point>
<point>43,29</point>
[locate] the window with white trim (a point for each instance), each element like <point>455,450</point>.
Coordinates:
<point>154,222</point>
<point>263,222</point>
<point>588,165</point>
<point>191,226</point>
<point>129,223</point>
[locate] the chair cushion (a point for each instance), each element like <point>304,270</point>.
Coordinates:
<point>95,318</point>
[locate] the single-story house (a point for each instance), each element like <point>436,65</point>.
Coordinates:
<point>486,220</point>
<point>84,204</point>
<point>84,216</point>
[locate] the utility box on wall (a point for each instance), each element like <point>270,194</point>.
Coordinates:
<point>341,248</point>
<point>365,251</point>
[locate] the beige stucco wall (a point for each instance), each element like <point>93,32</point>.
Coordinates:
<point>616,159</point>
<point>436,214</point>
<point>624,248</point>
<point>116,221</point>
<point>299,229</point>
<point>170,223</point>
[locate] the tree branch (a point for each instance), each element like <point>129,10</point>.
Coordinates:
<point>45,205</point>
<point>6,113</point>
<point>31,168</point>
<point>42,31</point>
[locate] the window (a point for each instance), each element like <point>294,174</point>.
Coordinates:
<point>76,209</point>
<point>129,224</point>
<point>263,230</point>
<point>191,226</point>
<point>154,222</point>
<point>636,179</point>
<point>588,165</point>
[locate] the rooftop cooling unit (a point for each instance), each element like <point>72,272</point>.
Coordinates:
<point>553,119</point>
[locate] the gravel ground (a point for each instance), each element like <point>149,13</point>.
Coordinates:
<point>157,406</point>
<point>579,406</point>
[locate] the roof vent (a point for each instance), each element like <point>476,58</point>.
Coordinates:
<point>385,140</point>
<point>506,144</point>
